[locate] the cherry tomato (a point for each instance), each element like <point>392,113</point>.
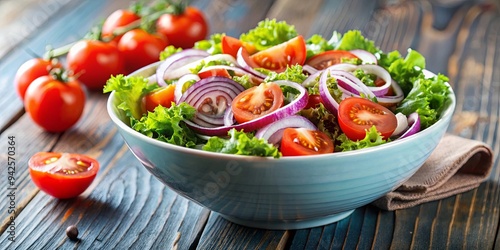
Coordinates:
<point>329,58</point>
<point>54,105</point>
<point>230,45</point>
<point>31,70</point>
<point>213,72</point>
<point>313,101</point>
<point>164,97</point>
<point>301,141</point>
<point>62,175</point>
<point>93,62</point>
<point>141,48</point>
<point>356,115</point>
<point>117,19</point>
<point>278,57</point>
<point>257,101</point>
<point>185,29</point>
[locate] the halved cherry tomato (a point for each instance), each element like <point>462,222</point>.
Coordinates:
<point>141,48</point>
<point>94,62</point>
<point>313,101</point>
<point>301,141</point>
<point>356,115</point>
<point>278,57</point>
<point>329,58</point>
<point>53,104</point>
<point>31,70</point>
<point>230,45</point>
<point>62,175</point>
<point>213,72</point>
<point>185,29</point>
<point>164,97</point>
<point>257,101</point>
<point>117,19</point>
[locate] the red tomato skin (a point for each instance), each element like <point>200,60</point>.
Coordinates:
<point>31,70</point>
<point>230,45</point>
<point>185,29</point>
<point>93,62</point>
<point>164,97</point>
<point>214,72</point>
<point>292,143</point>
<point>278,57</point>
<point>382,118</point>
<point>53,105</point>
<point>313,101</point>
<point>329,58</point>
<point>139,48</point>
<point>61,186</point>
<point>117,19</point>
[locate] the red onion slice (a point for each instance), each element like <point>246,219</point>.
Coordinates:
<point>291,109</point>
<point>179,85</point>
<point>237,71</point>
<point>176,61</point>
<point>330,103</point>
<point>311,79</point>
<point>414,123</point>
<point>392,99</point>
<point>273,132</point>
<point>365,56</point>
<point>380,72</point>
<point>309,69</point>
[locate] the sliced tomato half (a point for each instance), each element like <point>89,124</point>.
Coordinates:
<point>62,175</point>
<point>163,96</point>
<point>278,57</point>
<point>230,45</point>
<point>357,115</point>
<point>301,141</point>
<point>257,101</point>
<point>214,72</point>
<point>329,58</point>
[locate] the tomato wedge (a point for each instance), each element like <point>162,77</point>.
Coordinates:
<point>278,57</point>
<point>62,175</point>
<point>214,72</point>
<point>230,45</point>
<point>164,97</point>
<point>329,58</point>
<point>257,101</point>
<point>301,141</point>
<point>356,115</point>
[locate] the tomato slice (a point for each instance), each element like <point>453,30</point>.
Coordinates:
<point>62,175</point>
<point>329,58</point>
<point>164,97</point>
<point>230,45</point>
<point>356,115</point>
<point>278,57</point>
<point>313,101</point>
<point>213,72</point>
<point>257,101</point>
<point>302,141</point>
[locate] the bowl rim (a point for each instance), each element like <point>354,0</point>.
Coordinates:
<point>446,115</point>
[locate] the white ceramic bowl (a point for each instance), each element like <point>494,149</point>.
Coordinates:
<point>285,193</point>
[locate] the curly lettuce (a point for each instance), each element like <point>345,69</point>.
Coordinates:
<point>213,45</point>
<point>241,143</point>
<point>404,70</point>
<point>372,138</point>
<point>268,33</point>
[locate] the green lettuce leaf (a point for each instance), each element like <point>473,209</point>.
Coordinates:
<point>353,39</point>
<point>129,92</point>
<point>403,70</point>
<point>166,124</point>
<point>372,138</point>
<point>324,120</point>
<point>316,44</point>
<point>268,33</point>
<point>168,51</point>
<point>292,73</point>
<point>241,143</point>
<point>213,45</point>
<point>428,98</point>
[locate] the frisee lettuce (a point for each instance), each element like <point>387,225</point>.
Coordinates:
<point>372,138</point>
<point>241,143</point>
<point>268,33</point>
<point>129,91</point>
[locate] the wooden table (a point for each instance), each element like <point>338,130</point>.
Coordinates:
<point>128,208</point>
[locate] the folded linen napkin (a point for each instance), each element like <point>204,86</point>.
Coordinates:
<point>457,165</point>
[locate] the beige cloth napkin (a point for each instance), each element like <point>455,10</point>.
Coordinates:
<point>457,165</point>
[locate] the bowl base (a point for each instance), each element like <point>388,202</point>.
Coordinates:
<point>288,225</point>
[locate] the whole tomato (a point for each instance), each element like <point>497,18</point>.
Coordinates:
<point>31,70</point>
<point>93,62</point>
<point>141,48</point>
<point>185,29</point>
<point>53,104</point>
<point>117,19</point>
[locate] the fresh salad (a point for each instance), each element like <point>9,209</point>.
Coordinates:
<point>273,93</point>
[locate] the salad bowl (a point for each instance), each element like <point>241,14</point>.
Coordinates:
<point>285,193</point>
